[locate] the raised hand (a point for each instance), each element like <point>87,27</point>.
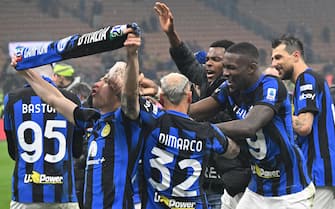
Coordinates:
<point>132,43</point>
<point>165,17</point>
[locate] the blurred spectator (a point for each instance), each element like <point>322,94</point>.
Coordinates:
<point>64,76</point>
<point>82,10</point>
<point>50,7</point>
<point>262,57</point>
<point>332,92</point>
<point>82,90</point>
<point>97,9</point>
<point>328,73</point>
<point>1,104</point>
<point>325,34</point>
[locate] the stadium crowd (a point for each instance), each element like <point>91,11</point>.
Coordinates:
<point>221,133</point>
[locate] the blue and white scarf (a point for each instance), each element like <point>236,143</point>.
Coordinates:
<point>106,39</point>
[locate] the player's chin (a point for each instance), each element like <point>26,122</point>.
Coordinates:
<point>231,88</point>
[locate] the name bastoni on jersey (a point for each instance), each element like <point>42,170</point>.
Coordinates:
<point>37,108</point>
<point>180,143</point>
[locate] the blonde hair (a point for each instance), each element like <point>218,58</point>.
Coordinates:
<point>116,77</point>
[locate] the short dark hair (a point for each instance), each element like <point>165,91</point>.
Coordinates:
<point>222,43</point>
<point>292,44</point>
<point>245,49</point>
<point>82,89</point>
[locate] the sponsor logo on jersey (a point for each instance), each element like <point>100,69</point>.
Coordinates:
<point>96,161</point>
<point>173,203</point>
<point>304,96</point>
<point>38,178</point>
<point>271,94</point>
<point>93,37</point>
<point>306,87</point>
<point>264,173</point>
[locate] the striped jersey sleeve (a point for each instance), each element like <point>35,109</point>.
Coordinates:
<point>312,95</point>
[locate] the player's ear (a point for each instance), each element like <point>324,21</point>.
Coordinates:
<point>189,97</point>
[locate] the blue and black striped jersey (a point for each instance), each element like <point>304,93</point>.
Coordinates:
<point>40,140</point>
<point>277,164</point>
<point>175,155</point>
<point>113,153</point>
<point>312,95</point>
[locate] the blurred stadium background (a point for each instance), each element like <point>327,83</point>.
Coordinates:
<point>198,22</point>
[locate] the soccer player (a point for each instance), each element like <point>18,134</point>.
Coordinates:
<point>176,150</point>
<point>263,118</point>
<point>313,119</point>
<point>227,177</point>
<point>42,143</point>
<point>113,145</point>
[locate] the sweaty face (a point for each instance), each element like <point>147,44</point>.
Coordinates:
<point>282,61</point>
<point>235,68</point>
<point>214,63</point>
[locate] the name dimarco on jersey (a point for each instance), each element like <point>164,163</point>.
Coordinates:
<point>37,108</point>
<point>179,143</point>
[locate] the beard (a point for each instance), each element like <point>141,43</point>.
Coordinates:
<point>287,74</point>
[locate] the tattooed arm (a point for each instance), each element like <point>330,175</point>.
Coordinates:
<point>302,124</point>
<point>130,92</point>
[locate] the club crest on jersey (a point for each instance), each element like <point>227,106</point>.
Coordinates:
<point>173,203</point>
<point>38,178</point>
<point>106,130</point>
